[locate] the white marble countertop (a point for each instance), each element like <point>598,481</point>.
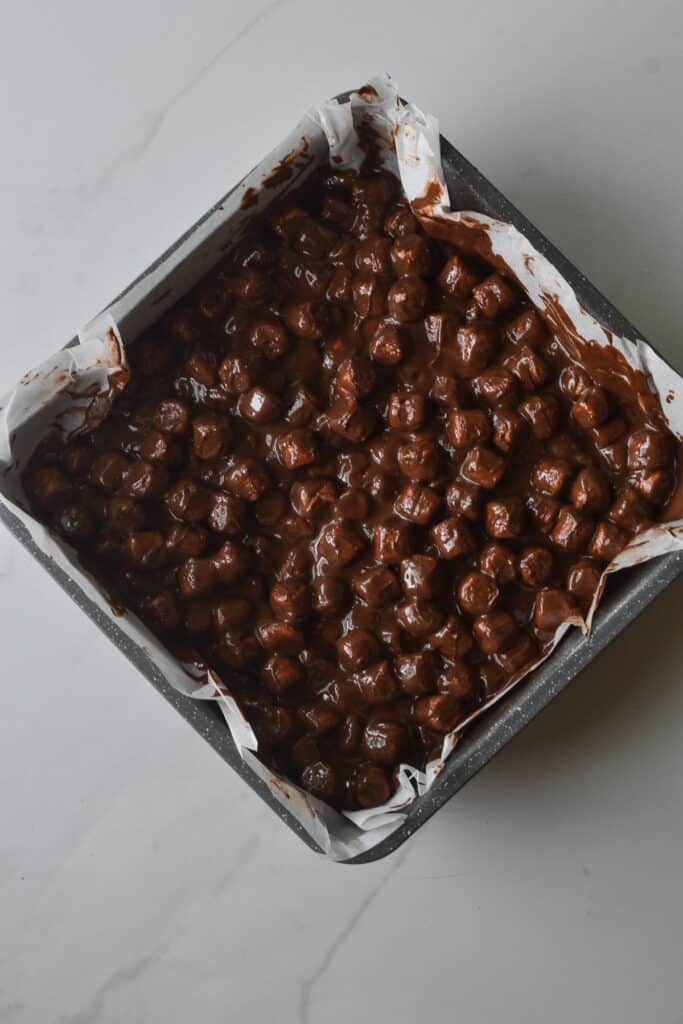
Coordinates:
<point>140,880</point>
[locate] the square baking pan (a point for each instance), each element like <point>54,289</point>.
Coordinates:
<point>627,594</point>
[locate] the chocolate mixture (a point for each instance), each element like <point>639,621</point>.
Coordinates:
<point>356,474</point>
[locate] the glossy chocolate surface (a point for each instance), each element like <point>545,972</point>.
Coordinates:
<point>358,475</point>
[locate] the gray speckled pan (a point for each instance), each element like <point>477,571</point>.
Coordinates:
<point>627,594</point>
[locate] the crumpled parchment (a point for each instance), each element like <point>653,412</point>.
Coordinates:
<point>61,391</point>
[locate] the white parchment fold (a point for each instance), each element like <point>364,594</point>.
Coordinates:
<point>61,389</point>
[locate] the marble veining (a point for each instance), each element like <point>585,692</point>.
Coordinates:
<point>77,197</point>
<point>308,985</point>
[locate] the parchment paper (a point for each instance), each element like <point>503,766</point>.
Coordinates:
<point>61,391</point>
